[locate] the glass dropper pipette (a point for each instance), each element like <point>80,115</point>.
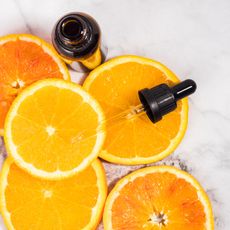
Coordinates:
<point>155,102</point>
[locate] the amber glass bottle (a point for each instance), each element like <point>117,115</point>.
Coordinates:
<point>77,38</point>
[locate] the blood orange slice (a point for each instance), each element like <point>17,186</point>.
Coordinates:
<point>25,59</point>
<point>158,197</point>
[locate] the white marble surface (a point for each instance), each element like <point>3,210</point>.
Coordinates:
<point>190,37</point>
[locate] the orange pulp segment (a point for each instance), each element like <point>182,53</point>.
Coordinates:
<point>135,139</point>
<point>71,204</point>
<point>54,129</point>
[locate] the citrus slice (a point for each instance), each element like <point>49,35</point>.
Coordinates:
<point>158,197</point>
<point>25,59</point>
<point>135,139</point>
<point>51,129</point>
<point>75,203</point>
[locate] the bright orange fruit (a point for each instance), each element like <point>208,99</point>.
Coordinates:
<point>158,197</point>
<point>25,59</point>
<point>54,129</point>
<point>135,140</point>
<point>30,203</point>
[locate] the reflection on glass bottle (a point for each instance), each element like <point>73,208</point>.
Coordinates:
<point>77,38</point>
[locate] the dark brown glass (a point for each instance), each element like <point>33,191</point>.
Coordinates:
<point>77,38</point>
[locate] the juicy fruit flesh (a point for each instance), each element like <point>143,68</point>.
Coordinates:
<point>138,136</point>
<point>158,201</point>
<point>22,63</point>
<point>48,129</point>
<point>38,204</point>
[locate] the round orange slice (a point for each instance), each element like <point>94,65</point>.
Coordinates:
<point>158,197</point>
<point>25,59</point>
<point>54,129</point>
<point>75,203</point>
<point>135,139</point>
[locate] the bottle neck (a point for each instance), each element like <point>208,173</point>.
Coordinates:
<point>73,31</point>
<point>76,35</point>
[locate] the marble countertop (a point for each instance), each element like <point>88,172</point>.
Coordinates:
<point>192,38</point>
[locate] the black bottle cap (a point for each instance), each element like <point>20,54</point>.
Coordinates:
<point>162,99</point>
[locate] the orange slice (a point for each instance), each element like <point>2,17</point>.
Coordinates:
<point>47,129</point>
<point>158,197</point>
<point>135,140</point>
<point>31,203</point>
<point>25,59</point>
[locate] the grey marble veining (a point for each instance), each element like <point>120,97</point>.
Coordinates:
<point>192,38</point>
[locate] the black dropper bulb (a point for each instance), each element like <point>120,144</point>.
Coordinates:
<point>162,99</point>
<point>183,89</point>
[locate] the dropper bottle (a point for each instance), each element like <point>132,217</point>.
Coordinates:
<point>155,102</point>
<point>77,39</point>
<point>162,99</point>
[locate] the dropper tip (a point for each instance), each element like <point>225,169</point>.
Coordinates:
<point>184,89</point>
<point>192,84</point>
